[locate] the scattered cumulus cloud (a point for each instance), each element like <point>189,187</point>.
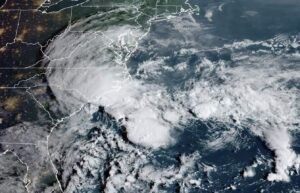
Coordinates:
<point>252,92</point>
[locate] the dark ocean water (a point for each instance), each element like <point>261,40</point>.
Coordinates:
<point>231,21</point>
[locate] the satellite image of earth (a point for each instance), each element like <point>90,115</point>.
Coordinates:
<point>149,96</point>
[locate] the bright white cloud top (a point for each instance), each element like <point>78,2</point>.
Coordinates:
<point>87,66</point>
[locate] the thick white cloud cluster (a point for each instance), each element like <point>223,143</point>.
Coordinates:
<point>92,156</point>
<point>90,67</point>
<point>254,94</point>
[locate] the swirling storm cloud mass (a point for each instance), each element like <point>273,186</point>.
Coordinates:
<point>174,103</point>
<point>148,83</point>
